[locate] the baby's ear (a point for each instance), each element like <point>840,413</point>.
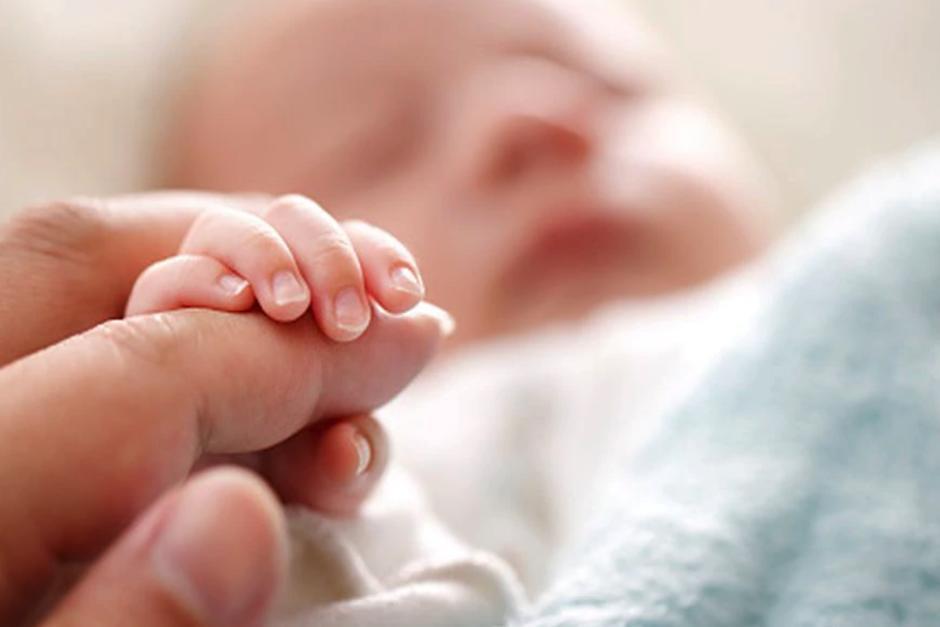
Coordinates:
<point>370,371</point>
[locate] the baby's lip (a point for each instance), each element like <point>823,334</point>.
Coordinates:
<point>572,242</point>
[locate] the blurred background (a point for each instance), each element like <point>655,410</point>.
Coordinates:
<point>819,89</point>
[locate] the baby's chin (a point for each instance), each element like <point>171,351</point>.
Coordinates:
<point>570,294</point>
<point>564,290</point>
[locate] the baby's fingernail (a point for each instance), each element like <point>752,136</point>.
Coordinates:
<point>404,279</point>
<point>363,453</point>
<point>232,285</point>
<point>350,311</point>
<point>287,288</point>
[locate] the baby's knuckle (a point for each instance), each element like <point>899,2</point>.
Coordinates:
<point>356,225</point>
<point>377,237</point>
<point>391,248</point>
<point>250,202</point>
<point>333,245</point>
<point>396,251</point>
<point>290,205</point>
<point>210,218</point>
<point>262,241</point>
<point>333,251</point>
<point>292,199</point>
<point>283,207</point>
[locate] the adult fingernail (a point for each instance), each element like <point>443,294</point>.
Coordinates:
<point>446,321</point>
<point>363,453</point>
<point>350,311</point>
<point>287,288</point>
<point>405,280</point>
<point>232,285</point>
<point>210,558</point>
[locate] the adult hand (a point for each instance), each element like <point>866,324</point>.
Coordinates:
<point>101,419</point>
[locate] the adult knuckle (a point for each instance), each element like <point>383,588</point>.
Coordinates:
<point>143,343</point>
<point>159,348</point>
<point>65,229</point>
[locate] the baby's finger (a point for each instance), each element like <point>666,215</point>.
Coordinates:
<point>257,252</point>
<point>391,273</point>
<point>189,281</point>
<point>330,467</point>
<point>328,262</point>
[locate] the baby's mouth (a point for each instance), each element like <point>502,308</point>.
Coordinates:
<point>579,245</point>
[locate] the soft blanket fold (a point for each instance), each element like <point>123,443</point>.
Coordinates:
<point>766,452</point>
<point>800,484</point>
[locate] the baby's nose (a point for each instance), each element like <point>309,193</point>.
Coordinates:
<point>539,120</point>
<point>550,136</point>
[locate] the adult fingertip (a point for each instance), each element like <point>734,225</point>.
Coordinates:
<point>330,468</point>
<point>221,552</point>
<point>363,453</point>
<point>445,322</point>
<point>343,453</point>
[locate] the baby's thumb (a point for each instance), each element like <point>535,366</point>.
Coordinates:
<point>210,553</point>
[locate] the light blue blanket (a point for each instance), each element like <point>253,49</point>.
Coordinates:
<point>800,485</point>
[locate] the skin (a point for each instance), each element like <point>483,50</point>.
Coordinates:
<point>538,159</point>
<point>289,256</point>
<point>157,396</point>
<point>535,170</point>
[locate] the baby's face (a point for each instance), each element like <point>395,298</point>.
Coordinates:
<point>537,161</point>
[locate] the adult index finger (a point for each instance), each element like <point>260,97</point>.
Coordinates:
<point>95,428</point>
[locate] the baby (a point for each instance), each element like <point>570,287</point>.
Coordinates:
<point>538,159</point>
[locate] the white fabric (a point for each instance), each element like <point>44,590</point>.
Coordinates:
<point>81,84</point>
<point>394,565</point>
<point>85,91</point>
<point>505,441</point>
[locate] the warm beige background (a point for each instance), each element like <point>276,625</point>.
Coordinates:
<point>819,87</point>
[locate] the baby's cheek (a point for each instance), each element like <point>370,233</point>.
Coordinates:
<point>688,172</point>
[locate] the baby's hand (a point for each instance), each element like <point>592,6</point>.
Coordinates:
<point>289,257</point>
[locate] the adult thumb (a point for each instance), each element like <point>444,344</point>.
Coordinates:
<point>210,553</point>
